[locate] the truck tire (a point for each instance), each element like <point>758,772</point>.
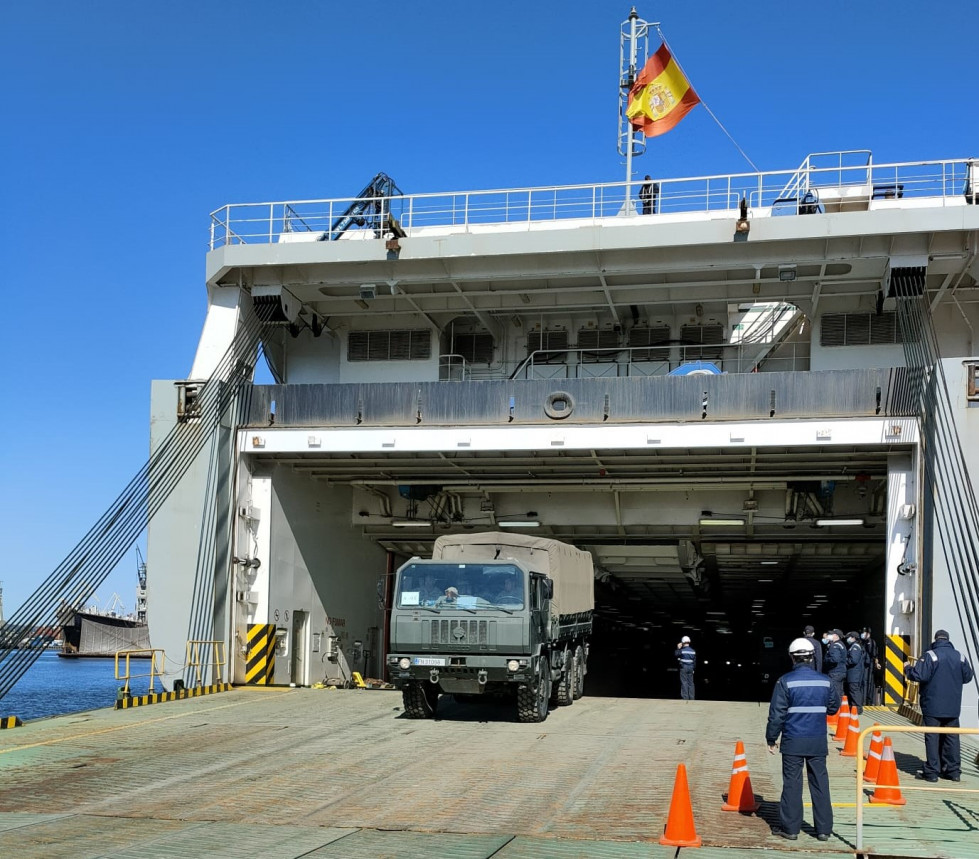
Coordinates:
<point>563,694</point>
<point>532,703</point>
<point>420,700</point>
<point>579,673</point>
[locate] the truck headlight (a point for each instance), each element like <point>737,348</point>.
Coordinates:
<point>404,663</point>
<point>512,665</point>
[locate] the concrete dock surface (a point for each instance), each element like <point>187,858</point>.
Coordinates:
<point>286,773</point>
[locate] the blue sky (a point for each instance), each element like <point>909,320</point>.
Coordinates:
<point>125,124</point>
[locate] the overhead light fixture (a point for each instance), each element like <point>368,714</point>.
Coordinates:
<point>786,273</point>
<point>823,523</point>
<point>519,523</point>
<point>768,563</point>
<point>411,523</point>
<point>731,522</point>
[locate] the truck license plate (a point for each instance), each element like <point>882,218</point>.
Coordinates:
<point>428,660</point>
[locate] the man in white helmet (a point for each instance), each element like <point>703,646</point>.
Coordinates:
<point>800,702</point>
<point>686,658</point>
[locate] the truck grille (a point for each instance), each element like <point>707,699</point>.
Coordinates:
<point>460,633</point>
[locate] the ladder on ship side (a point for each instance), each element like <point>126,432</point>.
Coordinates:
<point>79,575</point>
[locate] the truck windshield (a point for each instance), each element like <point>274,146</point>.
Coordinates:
<point>463,586</point>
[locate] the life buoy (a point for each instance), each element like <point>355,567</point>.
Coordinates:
<point>558,405</point>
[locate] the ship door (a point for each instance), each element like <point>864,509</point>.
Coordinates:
<point>298,672</point>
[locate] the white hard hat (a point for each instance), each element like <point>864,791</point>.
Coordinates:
<point>801,647</point>
<point>685,639</point>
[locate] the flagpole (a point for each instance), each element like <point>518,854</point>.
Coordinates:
<point>633,49</point>
<point>632,31</point>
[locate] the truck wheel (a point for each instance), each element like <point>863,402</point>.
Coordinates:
<point>532,703</point>
<point>579,673</point>
<point>420,700</point>
<point>563,695</point>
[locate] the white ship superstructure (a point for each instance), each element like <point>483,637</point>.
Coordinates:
<point>721,400</point>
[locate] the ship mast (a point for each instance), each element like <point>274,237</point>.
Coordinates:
<point>633,43</point>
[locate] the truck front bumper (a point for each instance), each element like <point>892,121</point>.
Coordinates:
<point>468,674</point>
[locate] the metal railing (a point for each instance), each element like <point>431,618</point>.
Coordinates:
<point>201,653</point>
<point>127,675</point>
<point>614,361</point>
<point>523,208</point>
<point>898,729</point>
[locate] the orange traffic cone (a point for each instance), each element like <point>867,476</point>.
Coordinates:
<point>680,831</point>
<point>873,759</point>
<point>833,721</point>
<point>844,721</point>
<point>740,796</point>
<point>849,749</point>
<point>890,793</point>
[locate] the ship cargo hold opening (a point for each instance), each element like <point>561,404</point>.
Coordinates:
<point>738,549</point>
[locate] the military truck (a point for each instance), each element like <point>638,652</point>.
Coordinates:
<point>492,614</point>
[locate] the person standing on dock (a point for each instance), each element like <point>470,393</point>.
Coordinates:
<point>817,648</point>
<point>871,666</point>
<point>800,701</point>
<point>686,658</point>
<point>834,662</point>
<point>855,677</point>
<point>941,673</point>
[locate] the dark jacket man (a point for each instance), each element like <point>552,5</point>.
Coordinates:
<point>941,673</point>
<point>800,701</point>
<point>855,676</point>
<point>817,648</point>
<point>686,658</point>
<point>871,666</point>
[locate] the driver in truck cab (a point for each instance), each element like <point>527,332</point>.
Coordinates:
<point>451,596</point>
<point>429,591</point>
<point>508,592</point>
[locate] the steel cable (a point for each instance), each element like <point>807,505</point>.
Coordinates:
<point>84,569</point>
<point>948,489</point>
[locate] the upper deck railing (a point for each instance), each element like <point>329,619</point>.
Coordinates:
<point>825,182</point>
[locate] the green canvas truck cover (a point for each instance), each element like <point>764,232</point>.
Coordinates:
<point>569,568</point>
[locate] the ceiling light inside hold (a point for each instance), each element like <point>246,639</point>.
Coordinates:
<point>829,523</point>
<point>721,522</point>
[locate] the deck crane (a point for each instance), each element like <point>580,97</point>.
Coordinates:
<point>370,210</point>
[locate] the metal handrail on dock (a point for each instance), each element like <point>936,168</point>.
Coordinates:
<point>154,672</point>
<point>899,729</point>
<point>194,664</point>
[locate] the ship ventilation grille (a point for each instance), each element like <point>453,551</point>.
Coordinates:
<point>655,335</point>
<point>549,341</point>
<point>859,329</point>
<point>475,348</point>
<point>711,335</point>
<point>407,345</point>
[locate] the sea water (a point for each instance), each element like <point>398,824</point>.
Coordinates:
<point>55,685</point>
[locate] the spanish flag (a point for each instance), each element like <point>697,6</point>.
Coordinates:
<point>661,95</point>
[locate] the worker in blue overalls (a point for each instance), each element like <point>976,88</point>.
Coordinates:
<point>800,701</point>
<point>686,658</point>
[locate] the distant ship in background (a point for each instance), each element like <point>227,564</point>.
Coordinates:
<point>99,633</point>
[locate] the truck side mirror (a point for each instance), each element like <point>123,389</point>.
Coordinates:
<point>548,589</point>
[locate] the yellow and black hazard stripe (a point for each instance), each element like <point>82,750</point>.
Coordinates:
<point>10,722</point>
<point>128,702</point>
<point>898,652</point>
<point>260,663</point>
